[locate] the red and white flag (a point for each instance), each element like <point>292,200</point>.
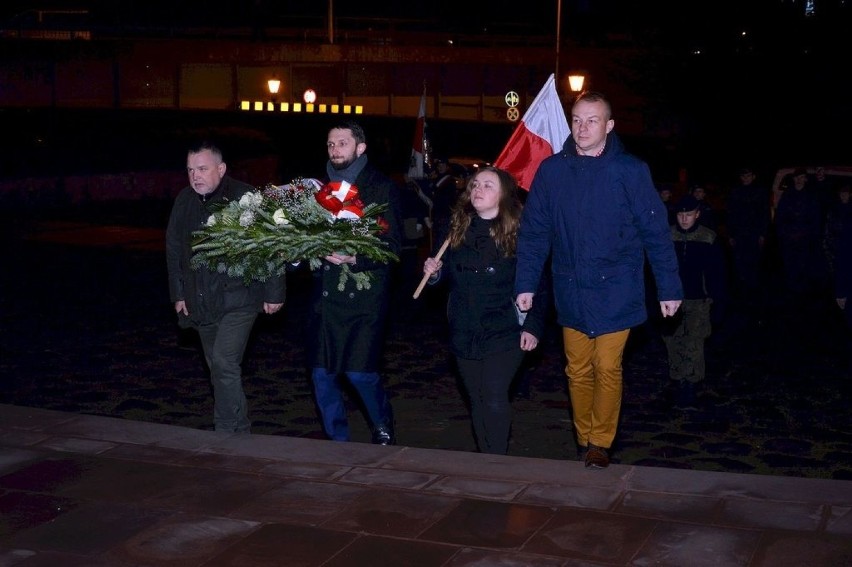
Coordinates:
<point>415,165</point>
<point>541,133</point>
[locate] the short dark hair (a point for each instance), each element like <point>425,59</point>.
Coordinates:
<point>354,127</point>
<point>595,96</point>
<point>204,146</point>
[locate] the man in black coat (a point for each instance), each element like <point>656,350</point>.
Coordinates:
<point>347,321</point>
<point>749,219</point>
<point>220,307</point>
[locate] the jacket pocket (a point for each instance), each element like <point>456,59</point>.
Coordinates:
<point>618,293</point>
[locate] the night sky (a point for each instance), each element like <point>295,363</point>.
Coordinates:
<point>720,28</point>
<point>733,74</point>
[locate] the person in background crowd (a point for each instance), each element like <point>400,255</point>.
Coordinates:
<point>666,198</point>
<point>843,274</point>
<point>824,190</point>
<point>487,336</point>
<point>221,308</point>
<point>346,326</point>
<point>748,222</point>
<point>701,265</point>
<point>414,209</point>
<point>594,212</point>
<point>839,215</point>
<point>799,227</point>
<point>444,192</point>
<point>708,215</point>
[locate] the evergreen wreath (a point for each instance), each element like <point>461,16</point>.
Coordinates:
<point>256,237</point>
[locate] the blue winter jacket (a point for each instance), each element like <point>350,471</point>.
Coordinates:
<point>599,216</point>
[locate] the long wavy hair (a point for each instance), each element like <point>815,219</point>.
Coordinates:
<point>505,228</point>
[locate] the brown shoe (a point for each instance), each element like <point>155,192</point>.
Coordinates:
<point>597,457</point>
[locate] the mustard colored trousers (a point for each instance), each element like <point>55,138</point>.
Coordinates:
<point>594,383</point>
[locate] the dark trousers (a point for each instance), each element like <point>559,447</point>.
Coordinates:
<point>685,344</point>
<point>224,344</point>
<point>332,407</point>
<point>487,383</point>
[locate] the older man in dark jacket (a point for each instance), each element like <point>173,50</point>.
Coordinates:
<point>222,308</point>
<point>594,206</point>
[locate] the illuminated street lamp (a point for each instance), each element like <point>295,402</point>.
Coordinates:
<point>576,82</point>
<point>274,86</point>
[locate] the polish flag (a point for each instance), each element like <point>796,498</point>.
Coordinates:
<point>541,133</point>
<point>415,165</point>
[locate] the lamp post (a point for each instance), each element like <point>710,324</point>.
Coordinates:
<point>558,34</point>
<point>274,85</point>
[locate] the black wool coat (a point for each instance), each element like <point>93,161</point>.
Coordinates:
<point>480,308</point>
<point>346,328</point>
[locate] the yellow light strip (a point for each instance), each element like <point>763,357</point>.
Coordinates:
<point>260,106</point>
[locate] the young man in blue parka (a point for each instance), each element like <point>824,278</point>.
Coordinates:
<point>595,208</point>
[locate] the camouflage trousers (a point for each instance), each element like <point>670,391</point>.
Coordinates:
<point>685,343</point>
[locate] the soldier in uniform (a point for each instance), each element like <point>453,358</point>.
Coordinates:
<point>701,267</point>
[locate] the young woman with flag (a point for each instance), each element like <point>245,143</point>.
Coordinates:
<point>488,335</point>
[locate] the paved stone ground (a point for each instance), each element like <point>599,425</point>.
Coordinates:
<point>87,327</point>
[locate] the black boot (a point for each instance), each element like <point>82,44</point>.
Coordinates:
<point>383,434</point>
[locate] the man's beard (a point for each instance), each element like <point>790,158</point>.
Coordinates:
<point>343,164</point>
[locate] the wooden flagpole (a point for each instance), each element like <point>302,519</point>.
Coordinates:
<point>427,276</point>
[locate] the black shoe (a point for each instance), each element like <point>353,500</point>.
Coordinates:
<point>597,457</point>
<point>383,435</point>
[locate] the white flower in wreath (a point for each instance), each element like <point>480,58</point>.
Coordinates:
<point>279,218</point>
<point>251,200</point>
<point>247,218</point>
<point>211,220</point>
